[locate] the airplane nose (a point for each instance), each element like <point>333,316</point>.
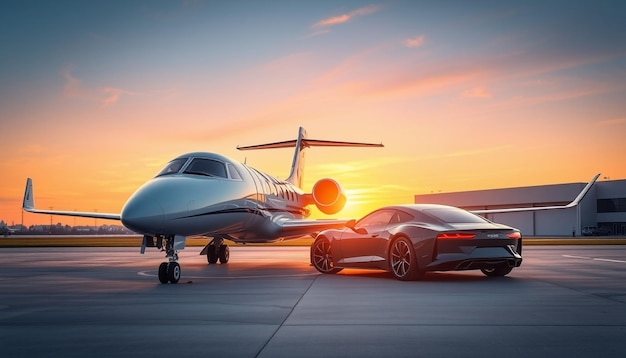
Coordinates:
<point>143,215</point>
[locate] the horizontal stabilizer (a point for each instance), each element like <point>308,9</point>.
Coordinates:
<point>28,205</point>
<point>300,144</point>
<point>309,143</point>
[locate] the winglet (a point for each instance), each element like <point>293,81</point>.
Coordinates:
<point>583,192</point>
<point>29,205</point>
<point>29,201</point>
<point>574,203</point>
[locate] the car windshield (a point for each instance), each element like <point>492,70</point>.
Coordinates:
<point>208,167</point>
<point>455,215</point>
<point>173,167</point>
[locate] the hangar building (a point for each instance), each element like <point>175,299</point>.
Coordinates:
<point>603,209</point>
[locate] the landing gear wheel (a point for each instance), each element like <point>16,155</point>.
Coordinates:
<point>173,272</point>
<point>402,260</point>
<point>211,254</point>
<point>322,257</point>
<point>163,272</point>
<point>497,271</point>
<point>224,254</point>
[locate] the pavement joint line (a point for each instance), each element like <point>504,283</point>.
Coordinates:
<point>286,318</point>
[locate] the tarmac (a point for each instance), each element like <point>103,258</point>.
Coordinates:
<point>564,301</point>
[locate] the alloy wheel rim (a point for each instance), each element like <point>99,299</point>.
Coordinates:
<point>400,258</point>
<point>322,256</point>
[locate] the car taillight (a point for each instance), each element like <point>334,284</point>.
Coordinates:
<point>456,235</point>
<point>514,235</point>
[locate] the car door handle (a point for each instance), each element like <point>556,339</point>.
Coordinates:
<point>374,235</point>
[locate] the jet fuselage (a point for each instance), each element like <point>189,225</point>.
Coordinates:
<point>223,198</point>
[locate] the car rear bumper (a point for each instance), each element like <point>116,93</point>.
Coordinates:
<point>476,258</point>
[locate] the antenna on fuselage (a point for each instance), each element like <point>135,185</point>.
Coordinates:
<point>297,165</point>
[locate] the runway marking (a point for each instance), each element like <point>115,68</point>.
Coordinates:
<point>594,259</point>
<point>146,273</point>
<point>577,257</point>
<point>610,260</point>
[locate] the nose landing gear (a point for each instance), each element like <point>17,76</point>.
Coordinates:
<point>170,271</point>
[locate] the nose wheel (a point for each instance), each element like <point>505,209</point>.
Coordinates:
<point>170,271</point>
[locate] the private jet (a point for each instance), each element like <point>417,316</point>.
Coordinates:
<point>210,195</point>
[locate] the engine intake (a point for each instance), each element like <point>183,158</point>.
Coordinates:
<point>328,196</point>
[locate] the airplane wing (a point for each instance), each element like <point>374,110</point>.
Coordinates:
<point>29,205</point>
<point>296,227</point>
<point>574,202</point>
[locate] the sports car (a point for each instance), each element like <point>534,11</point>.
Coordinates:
<point>410,240</point>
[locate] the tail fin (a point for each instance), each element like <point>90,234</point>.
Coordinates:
<point>29,202</point>
<point>297,165</point>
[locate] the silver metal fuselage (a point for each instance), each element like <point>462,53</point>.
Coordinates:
<point>244,206</point>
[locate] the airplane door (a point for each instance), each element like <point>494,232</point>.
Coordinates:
<point>260,193</point>
<point>355,247</point>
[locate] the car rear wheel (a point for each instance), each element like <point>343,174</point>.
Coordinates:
<point>402,260</point>
<point>322,257</point>
<point>497,271</point>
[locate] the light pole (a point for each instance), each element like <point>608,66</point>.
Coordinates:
<point>50,228</point>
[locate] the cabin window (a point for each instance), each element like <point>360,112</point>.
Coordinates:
<point>208,167</point>
<point>173,167</point>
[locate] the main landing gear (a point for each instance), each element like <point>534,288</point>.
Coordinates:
<point>170,271</point>
<point>216,250</point>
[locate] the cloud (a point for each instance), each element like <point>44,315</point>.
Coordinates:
<point>415,42</point>
<point>112,95</point>
<point>106,96</point>
<point>72,86</point>
<point>343,18</point>
<point>477,92</point>
<point>612,122</point>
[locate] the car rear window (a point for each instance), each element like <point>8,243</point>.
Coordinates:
<point>455,215</point>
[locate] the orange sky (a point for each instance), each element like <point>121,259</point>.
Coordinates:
<point>463,99</point>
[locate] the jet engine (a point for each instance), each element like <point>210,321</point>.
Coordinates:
<point>328,196</point>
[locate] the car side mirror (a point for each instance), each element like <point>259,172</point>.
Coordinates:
<point>359,230</point>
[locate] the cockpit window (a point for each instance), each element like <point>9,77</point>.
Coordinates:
<point>173,167</point>
<point>234,174</point>
<point>208,167</point>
